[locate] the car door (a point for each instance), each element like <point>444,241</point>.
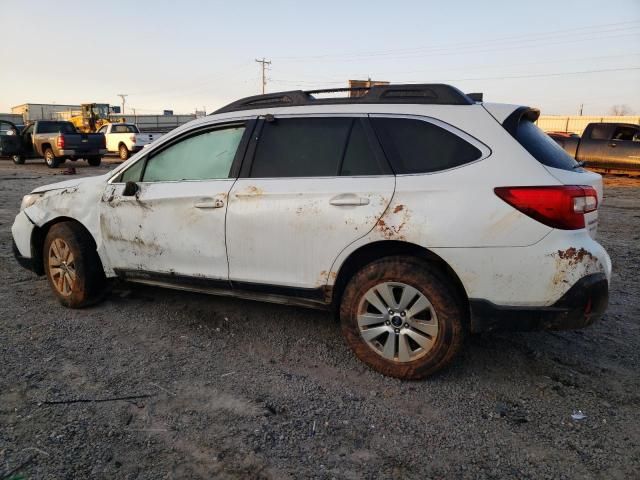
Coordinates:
<point>26,138</point>
<point>624,148</point>
<point>10,143</point>
<point>163,217</point>
<point>311,185</point>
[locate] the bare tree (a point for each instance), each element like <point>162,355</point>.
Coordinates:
<point>619,110</point>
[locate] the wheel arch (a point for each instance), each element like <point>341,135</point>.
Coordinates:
<point>40,233</point>
<point>387,248</point>
<point>43,147</point>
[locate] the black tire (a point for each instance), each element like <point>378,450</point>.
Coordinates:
<point>50,159</point>
<point>123,152</point>
<point>449,318</point>
<point>94,161</point>
<point>85,282</point>
<point>18,159</point>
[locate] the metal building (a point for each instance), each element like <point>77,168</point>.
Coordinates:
<point>41,111</point>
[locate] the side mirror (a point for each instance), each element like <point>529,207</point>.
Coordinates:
<point>130,189</point>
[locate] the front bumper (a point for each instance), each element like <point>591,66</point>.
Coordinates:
<point>584,303</point>
<point>22,260</point>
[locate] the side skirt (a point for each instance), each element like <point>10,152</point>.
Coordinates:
<point>318,298</point>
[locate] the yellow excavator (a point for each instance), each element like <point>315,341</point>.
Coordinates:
<point>92,116</point>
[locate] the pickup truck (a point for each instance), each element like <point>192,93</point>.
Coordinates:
<point>125,138</point>
<point>607,147</point>
<point>57,141</point>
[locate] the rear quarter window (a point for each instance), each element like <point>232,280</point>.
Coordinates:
<point>417,146</point>
<point>542,147</point>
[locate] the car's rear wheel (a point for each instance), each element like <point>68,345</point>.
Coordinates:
<point>123,152</point>
<point>72,265</point>
<point>94,161</point>
<point>50,159</point>
<point>402,318</point>
<point>18,159</point>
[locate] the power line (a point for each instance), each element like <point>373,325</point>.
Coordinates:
<point>591,31</point>
<point>264,64</point>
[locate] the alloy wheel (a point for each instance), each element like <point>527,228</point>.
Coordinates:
<point>62,268</point>
<point>397,321</point>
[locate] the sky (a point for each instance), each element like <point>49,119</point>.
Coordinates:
<point>186,55</point>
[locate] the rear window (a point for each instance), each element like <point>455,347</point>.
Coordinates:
<point>56,127</point>
<point>416,146</point>
<point>542,147</point>
<point>123,128</point>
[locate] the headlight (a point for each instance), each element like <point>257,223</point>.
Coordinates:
<point>30,199</point>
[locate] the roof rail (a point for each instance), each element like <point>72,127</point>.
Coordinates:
<point>424,94</point>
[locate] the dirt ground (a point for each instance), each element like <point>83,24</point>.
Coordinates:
<point>158,384</point>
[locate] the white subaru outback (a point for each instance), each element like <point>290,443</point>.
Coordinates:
<point>417,212</point>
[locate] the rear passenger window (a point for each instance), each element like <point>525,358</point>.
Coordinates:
<point>300,147</point>
<point>359,158</point>
<point>416,146</point>
<point>315,147</point>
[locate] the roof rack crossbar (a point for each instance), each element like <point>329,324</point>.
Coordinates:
<point>427,94</point>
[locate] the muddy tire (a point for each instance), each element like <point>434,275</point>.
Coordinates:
<point>18,159</point>
<point>94,161</point>
<point>123,152</point>
<point>402,317</point>
<point>50,159</point>
<point>72,265</point>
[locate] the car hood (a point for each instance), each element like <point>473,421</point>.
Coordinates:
<point>71,184</point>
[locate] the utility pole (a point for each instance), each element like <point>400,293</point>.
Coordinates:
<point>581,107</point>
<point>123,96</point>
<point>264,64</point>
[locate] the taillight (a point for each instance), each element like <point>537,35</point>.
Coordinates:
<point>60,142</point>
<point>560,207</point>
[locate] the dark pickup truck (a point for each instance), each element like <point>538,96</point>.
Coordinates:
<point>57,141</point>
<point>607,147</point>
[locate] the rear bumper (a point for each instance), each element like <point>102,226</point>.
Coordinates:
<point>584,303</point>
<point>80,153</point>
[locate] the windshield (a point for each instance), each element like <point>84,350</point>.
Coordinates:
<point>543,147</point>
<point>101,110</point>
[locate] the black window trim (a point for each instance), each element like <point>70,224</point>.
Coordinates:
<point>485,150</point>
<point>374,144</point>
<point>248,123</point>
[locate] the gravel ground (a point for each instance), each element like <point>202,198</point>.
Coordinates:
<point>160,384</point>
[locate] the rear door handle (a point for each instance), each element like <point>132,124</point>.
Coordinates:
<point>209,203</point>
<point>348,199</point>
<point>612,144</point>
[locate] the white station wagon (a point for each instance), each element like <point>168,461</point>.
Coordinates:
<point>417,212</point>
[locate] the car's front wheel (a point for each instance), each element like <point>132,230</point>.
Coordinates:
<point>402,318</point>
<point>18,159</point>
<point>72,265</point>
<point>94,161</point>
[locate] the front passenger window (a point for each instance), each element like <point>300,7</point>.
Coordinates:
<point>204,156</point>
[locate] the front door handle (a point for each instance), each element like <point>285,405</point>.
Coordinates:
<point>209,203</point>
<point>348,199</point>
<point>612,145</point>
